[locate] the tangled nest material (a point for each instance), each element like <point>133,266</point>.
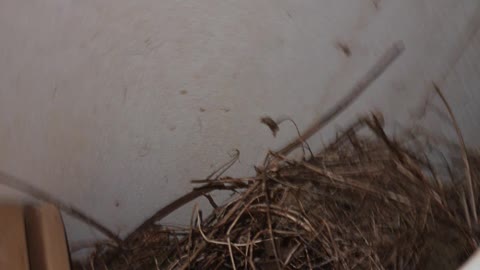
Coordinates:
<point>366,201</point>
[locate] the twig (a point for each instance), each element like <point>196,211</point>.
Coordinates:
<point>269,223</point>
<point>468,172</point>
<point>217,242</point>
<point>226,166</point>
<point>465,208</point>
<point>309,263</point>
<point>247,248</point>
<point>200,247</point>
<point>231,228</point>
<point>190,234</point>
<point>20,185</point>
<point>291,253</point>
<point>288,214</point>
<point>232,259</point>
<point>171,207</point>
<point>382,64</point>
<point>211,201</point>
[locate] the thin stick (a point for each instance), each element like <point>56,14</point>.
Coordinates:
<point>210,200</point>
<point>291,253</point>
<point>217,242</point>
<point>171,207</point>
<point>269,223</point>
<point>468,172</point>
<point>226,166</point>
<point>247,249</point>
<point>192,223</point>
<point>309,263</point>
<point>382,64</point>
<point>285,213</point>
<point>20,185</point>
<point>230,252</point>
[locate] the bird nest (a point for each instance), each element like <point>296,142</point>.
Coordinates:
<point>365,201</point>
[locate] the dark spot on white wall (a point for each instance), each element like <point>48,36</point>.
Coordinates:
<point>165,178</point>
<point>54,93</point>
<point>172,127</point>
<point>225,109</point>
<point>376,4</point>
<point>344,48</point>
<point>117,203</point>
<point>183,92</point>
<point>148,43</point>
<point>201,109</point>
<point>288,14</point>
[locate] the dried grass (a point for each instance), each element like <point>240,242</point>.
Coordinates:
<point>365,201</point>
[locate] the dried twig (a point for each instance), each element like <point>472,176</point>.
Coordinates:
<point>269,224</point>
<point>385,60</point>
<point>468,172</point>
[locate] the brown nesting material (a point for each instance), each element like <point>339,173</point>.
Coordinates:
<point>366,201</point>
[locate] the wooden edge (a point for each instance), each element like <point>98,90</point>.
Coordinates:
<point>47,244</point>
<point>13,243</point>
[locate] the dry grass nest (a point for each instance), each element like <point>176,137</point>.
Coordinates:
<point>365,201</point>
